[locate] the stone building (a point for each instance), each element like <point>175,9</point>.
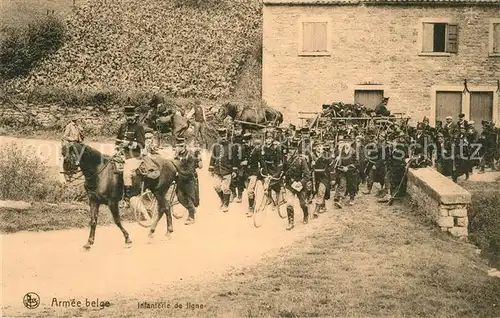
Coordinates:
<point>417,53</point>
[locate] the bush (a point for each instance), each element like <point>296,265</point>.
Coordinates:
<point>25,176</point>
<point>23,48</point>
<point>132,45</point>
<point>484,223</point>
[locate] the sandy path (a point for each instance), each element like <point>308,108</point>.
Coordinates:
<point>53,264</point>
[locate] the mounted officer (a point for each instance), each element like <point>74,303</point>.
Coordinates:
<point>73,132</point>
<point>297,177</point>
<point>253,165</point>
<point>131,140</point>
<point>223,166</point>
<point>187,191</point>
<point>321,168</point>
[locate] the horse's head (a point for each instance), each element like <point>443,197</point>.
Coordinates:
<point>227,109</point>
<point>71,153</point>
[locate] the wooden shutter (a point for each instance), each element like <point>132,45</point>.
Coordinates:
<point>452,45</point>
<point>369,98</point>
<point>428,37</point>
<point>481,107</point>
<point>496,38</point>
<point>448,104</point>
<point>320,37</point>
<point>307,36</point>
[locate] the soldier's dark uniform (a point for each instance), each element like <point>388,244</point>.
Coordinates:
<point>223,164</point>
<point>346,174</point>
<point>187,186</point>
<point>252,171</point>
<point>238,183</point>
<point>297,172</point>
<point>376,166</point>
<point>322,165</point>
<point>272,161</point>
<point>397,167</point>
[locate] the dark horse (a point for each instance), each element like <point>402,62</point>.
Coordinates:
<point>104,186</point>
<point>261,116</point>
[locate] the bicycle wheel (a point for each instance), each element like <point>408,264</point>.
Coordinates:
<point>145,208</point>
<point>282,204</point>
<point>172,201</point>
<point>261,204</point>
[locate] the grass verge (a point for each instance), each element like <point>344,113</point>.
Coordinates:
<point>375,261</point>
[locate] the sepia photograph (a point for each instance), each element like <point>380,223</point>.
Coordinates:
<point>250,158</point>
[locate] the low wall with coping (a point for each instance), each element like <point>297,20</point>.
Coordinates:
<point>442,200</point>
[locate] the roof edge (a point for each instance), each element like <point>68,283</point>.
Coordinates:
<point>377,2</point>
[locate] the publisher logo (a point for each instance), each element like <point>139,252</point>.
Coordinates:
<point>31,300</point>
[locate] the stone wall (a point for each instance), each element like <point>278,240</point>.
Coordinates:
<point>442,200</point>
<point>373,44</point>
<point>95,119</point>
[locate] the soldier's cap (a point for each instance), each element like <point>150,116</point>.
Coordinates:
<point>420,125</point>
<point>292,126</point>
<point>484,122</point>
<point>222,130</point>
<point>129,110</point>
<point>304,130</point>
<point>325,106</point>
<point>449,117</point>
<point>247,136</point>
<point>461,116</point>
<point>148,135</point>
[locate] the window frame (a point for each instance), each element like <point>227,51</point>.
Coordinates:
<point>491,38</point>
<point>315,19</point>
<point>420,40</point>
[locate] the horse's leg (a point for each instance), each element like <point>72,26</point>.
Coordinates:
<point>115,211</point>
<point>159,215</point>
<point>94,212</point>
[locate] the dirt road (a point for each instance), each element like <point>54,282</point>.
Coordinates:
<point>54,264</point>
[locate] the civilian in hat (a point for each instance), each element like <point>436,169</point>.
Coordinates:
<point>297,177</point>
<point>223,166</point>
<point>346,173</point>
<point>449,127</point>
<point>187,189</point>
<point>253,165</point>
<point>73,132</point>
<point>131,139</point>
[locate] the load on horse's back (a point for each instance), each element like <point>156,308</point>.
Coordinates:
<point>248,115</point>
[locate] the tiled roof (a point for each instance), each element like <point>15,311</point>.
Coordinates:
<point>400,2</point>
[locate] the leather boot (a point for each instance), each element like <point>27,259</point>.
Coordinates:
<point>289,212</point>
<point>251,206</point>
<point>221,196</point>
<point>305,210</point>
<point>225,202</point>
<point>316,211</point>
<point>240,195</point>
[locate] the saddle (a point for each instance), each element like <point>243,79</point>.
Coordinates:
<point>148,168</point>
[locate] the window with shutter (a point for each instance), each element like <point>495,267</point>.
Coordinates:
<point>439,37</point>
<point>495,38</point>
<point>314,38</point>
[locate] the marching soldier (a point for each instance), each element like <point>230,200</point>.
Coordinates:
<point>237,146</point>
<point>243,159</point>
<point>187,186</point>
<point>321,164</point>
<point>346,173</point>
<point>272,161</point>
<point>252,171</point>
<point>223,166</point>
<point>297,178</point>
<point>131,139</point>
<point>376,167</point>
<point>399,156</point>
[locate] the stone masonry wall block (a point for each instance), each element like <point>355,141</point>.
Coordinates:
<point>459,212</point>
<point>463,222</point>
<point>446,221</point>
<point>458,231</point>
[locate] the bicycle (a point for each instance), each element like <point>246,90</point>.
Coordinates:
<point>145,206</point>
<point>266,199</point>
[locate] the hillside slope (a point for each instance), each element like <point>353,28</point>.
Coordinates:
<point>132,45</point>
